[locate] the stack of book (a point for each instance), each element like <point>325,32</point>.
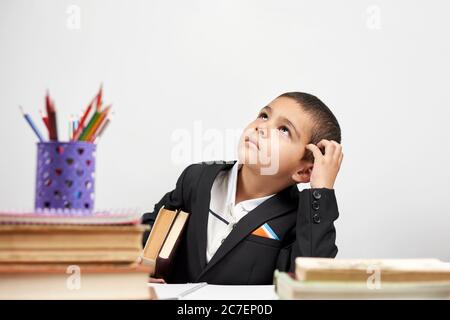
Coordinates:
<point>71,255</point>
<point>322,278</point>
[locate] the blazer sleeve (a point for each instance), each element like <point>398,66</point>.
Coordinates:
<point>314,233</point>
<point>172,200</point>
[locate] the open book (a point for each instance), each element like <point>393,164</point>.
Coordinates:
<point>204,291</point>
<point>161,245</point>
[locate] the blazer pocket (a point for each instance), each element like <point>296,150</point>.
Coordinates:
<point>265,241</point>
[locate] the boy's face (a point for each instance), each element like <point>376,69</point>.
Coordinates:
<point>274,143</point>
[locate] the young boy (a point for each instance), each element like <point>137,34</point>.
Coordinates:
<point>248,218</point>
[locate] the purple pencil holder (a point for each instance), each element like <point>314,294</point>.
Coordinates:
<point>65,175</point>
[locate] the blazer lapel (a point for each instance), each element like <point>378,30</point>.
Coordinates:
<point>270,209</point>
<point>202,212</point>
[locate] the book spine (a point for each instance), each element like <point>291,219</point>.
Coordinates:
<point>163,267</point>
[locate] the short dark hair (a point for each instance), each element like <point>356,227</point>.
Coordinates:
<point>325,125</point>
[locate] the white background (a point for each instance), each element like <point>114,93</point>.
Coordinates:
<point>383,67</point>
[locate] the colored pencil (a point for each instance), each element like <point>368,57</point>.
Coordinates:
<point>82,121</point>
<point>44,119</point>
<point>102,128</point>
<point>74,126</point>
<point>89,108</point>
<point>47,109</point>
<point>32,125</point>
<point>99,97</point>
<point>88,127</point>
<point>52,121</point>
<point>91,135</point>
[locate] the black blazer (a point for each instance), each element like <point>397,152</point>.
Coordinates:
<point>302,220</point>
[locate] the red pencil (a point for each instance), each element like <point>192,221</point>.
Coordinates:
<point>44,118</point>
<point>80,127</point>
<point>51,130</point>
<point>99,97</point>
<point>52,121</point>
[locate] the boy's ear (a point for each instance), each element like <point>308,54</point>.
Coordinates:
<point>303,174</point>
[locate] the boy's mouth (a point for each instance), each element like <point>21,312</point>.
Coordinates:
<point>253,142</point>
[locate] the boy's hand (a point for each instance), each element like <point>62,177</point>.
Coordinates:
<point>156,280</point>
<point>326,166</point>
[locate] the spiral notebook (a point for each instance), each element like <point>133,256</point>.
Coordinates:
<point>71,217</point>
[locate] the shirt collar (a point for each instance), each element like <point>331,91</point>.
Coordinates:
<point>247,205</point>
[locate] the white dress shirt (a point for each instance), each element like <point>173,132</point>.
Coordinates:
<point>223,213</point>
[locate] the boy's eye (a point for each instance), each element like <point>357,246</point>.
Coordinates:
<point>284,130</point>
<point>263,116</point>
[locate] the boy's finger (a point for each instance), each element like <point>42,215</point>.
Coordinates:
<point>315,150</point>
<point>337,150</point>
<point>336,144</point>
<point>156,280</point>
<point>328,145</point>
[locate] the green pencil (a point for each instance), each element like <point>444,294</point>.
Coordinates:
<point>87,129</point>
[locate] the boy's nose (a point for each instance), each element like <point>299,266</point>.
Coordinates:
<point>262,132</point>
